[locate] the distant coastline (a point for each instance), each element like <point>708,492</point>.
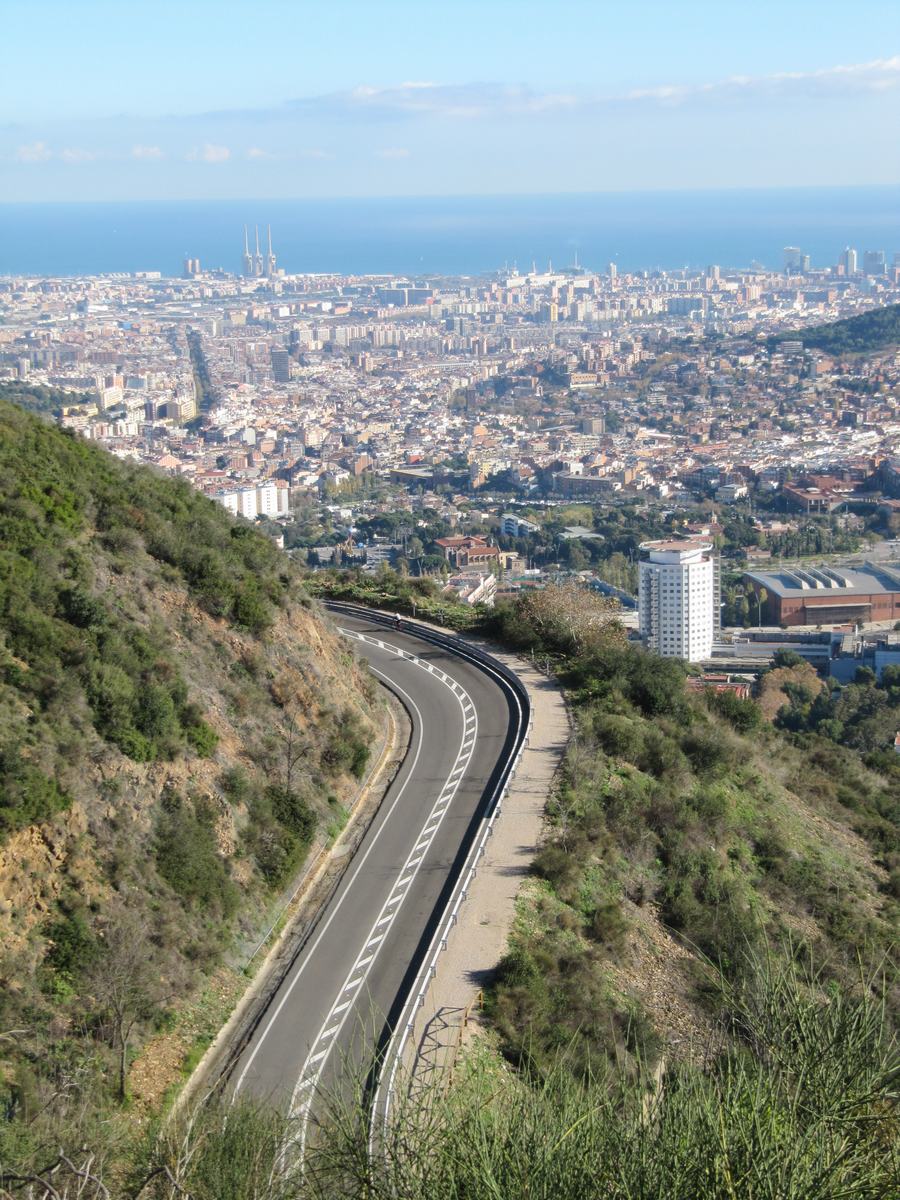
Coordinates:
<point>456,235</point>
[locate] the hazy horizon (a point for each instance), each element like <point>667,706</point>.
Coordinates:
<point>453,235</point>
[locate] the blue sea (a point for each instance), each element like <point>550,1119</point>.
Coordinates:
<point>454,235</point>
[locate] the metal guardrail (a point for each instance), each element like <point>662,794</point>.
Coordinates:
<point>450,641</point>
<point>386,1081</point>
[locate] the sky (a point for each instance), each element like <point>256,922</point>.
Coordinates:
<point>207,99</point>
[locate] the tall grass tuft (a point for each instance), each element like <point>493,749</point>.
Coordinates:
<point>801,1105</point>
<point>798,1102</point>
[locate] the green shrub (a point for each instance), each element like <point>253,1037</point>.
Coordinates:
<point>743,715</point>
<point>292,811</point>
<point>133,744</point>
<point>236,785</point>
<point>619,736</point>
<point>608,925</point>
<point>27,795</point>
<point>711,905</point>
<point>72,944</point>
<point>187,857</point>
<point>277,851</point>
<point>81,609</point>
<point>202,738</point>
<point>661,755</point>
<point>705,748</point>
<point>250,611</point>
<point>560,867</point>
<point>154,712</point>
<point>346,749</point>
<point>712,803</point>
<point>281,828</point>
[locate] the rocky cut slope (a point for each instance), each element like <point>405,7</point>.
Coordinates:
<point>175,722</point>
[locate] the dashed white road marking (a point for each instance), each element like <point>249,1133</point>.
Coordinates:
<point>313,1067</point>
<point>323,931</point>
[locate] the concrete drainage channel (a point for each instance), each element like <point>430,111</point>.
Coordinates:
<point>391,1067</point>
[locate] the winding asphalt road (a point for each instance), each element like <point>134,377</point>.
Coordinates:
<point>342,995</point>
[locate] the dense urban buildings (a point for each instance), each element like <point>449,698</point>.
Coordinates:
<point>462,413</point>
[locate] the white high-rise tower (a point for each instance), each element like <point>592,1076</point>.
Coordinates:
<point>679,586</point>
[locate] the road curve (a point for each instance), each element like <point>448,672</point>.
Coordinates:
<point>344,990</point>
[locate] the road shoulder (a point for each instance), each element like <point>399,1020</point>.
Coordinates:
<point>320,876</point>
<point>478,940</point>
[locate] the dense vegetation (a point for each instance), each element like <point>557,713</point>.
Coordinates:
<point>68,645</point>
<point>39,398</point>
<point>170,748</point>
<point>687,820</point>
<point>396,592</point>
<point>799,1103</point>
<point>698,998</point>
<point>864,715</point>
<point>866,333</point>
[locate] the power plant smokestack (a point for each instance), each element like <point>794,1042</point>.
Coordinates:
<point>269,268</point>
<point>256,264</point>
<point>247,260</point>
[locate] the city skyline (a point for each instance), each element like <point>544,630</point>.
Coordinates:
<point>398,101</point>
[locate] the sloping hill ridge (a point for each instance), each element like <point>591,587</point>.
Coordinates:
<point>863,334</point>
<point>175,722</point>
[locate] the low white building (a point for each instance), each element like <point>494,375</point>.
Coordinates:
<point>512,525</point>
<point>264,500</point>
<point>473,589</point>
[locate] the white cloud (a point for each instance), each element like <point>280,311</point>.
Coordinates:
<point>35,152</point>
<point>258,154</point>
<point>461,101</point>
<point>392,152</point>
<point>472,101</point>
<point>147,153</point>
<point>424,100</point>
<point>209,153</point>
<point>879,75</point>
<point>74,154</point>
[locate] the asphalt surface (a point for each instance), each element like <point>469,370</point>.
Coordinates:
<point>342,995</point>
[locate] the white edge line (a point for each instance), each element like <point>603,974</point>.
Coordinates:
<point>362,862</point>
<point>305,1108</point>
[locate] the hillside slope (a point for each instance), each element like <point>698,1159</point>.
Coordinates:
<point>175,722</point>
<point>687,831</point>
<point>862,334</point>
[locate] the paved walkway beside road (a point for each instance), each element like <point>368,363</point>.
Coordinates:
<point>478,940</point>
